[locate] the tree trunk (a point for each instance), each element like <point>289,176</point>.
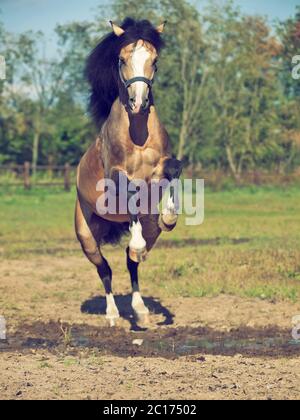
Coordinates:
<point>232,166</point>
<point>35,151</point>
<point>50,165</point>
<point>182,137</point>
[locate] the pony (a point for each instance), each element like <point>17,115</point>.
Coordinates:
<point>132,144</point>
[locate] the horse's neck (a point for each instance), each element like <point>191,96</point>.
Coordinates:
<point>137,127</point>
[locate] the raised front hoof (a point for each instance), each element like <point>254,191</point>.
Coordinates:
<point>138,256</point>
<point>167,222</point>
<point>112,319</point>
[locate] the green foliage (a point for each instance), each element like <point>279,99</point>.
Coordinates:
<point>248,245</point>
<point>224,88</point>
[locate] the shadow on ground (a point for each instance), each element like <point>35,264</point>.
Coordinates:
<point>97,306</point>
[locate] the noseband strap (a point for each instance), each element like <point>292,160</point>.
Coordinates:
<point>128,83</point>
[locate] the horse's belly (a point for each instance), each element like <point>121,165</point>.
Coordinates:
<point>114,208</point>
<point>117,218</point>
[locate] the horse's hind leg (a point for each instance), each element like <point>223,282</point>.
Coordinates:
<point>87,234</point>
<point>138,305</point>
<point>105,274</point>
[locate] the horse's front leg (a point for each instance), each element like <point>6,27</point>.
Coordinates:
<point>136,251</point>
<point>168,218</point>
<point>140,309</point>
<point>137,245</point>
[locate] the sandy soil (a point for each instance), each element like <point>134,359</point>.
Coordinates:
<point>59,346</point>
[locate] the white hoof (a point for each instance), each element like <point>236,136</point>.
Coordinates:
<point>143,319</point>
<point>112,319</point>
<point>138,256</point>
<point>112,313</point>
<point>169,217</point>
<point>167,222</point>
<point>140,309</point>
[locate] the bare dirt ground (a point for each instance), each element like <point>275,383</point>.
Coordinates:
<point>59,346</point>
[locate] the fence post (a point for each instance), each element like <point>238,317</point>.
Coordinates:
<point>27,184</point>
<point>67,177</point>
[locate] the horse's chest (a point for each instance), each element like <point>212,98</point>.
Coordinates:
<point>143,164</point>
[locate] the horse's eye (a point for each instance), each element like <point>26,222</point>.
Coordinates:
<point>122,60</point>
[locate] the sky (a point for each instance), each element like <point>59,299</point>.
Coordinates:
<point>22,15</point>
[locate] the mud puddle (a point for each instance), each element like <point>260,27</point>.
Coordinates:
<point>169,343</point>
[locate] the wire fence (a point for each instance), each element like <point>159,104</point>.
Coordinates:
<point>43,176</point>
<point>65,176</point>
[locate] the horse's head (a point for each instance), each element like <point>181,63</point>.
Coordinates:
<point>137,68</point>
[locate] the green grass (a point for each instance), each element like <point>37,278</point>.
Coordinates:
<point>36,220</point>
<point>249,244</point>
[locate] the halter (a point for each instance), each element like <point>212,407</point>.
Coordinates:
<point>128,83</point>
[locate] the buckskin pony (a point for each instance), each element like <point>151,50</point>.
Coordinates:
<point>132,143</point>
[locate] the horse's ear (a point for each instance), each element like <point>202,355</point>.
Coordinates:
<point>161,27</point>
<point>117,29</point>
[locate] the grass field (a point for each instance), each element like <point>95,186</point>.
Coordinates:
<point>221,296</point>
<point>249,244</point>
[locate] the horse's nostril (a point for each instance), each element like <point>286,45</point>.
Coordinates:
<point>146,103</point>
<point>132,103</point>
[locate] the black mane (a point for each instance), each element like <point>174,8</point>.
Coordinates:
<point>102,64</point>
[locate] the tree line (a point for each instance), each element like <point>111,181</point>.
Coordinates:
<point>225,87</point>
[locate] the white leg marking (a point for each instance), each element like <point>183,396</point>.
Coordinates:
<point>112,313</point>
<point>138,304</point>
<point>170,209</point>
<point>169,215</point>
<point>139,307</point>
<point>137,241</point>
